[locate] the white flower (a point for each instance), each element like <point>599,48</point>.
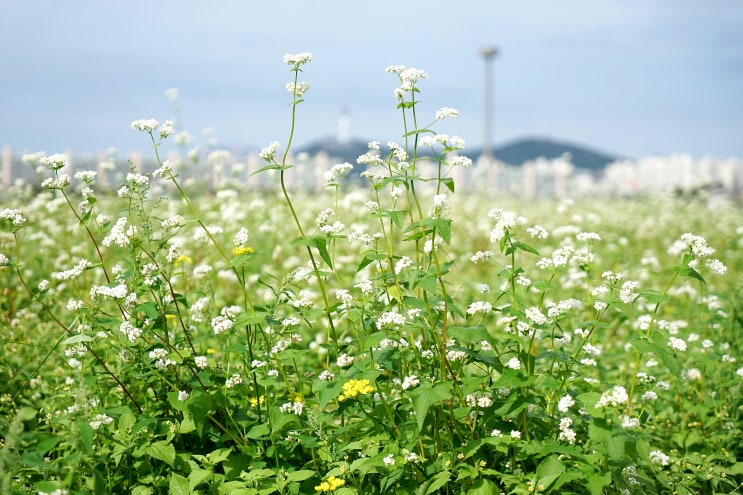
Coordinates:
<point>410,381</point>
<point>446,112</point>
<point>676,344</point>
<point>389,460</point>
<point>297,59</point>
<point>515,434</point>
<point>659,457</point>
<point>234,380</point>
<point>479,307</point>
<point>565,403</point>
<point>100,420</point>
<point>616,397</point>
<point>145,125</point>
<point>536,316</point>
<point>514,363</point>
<point>182,395</point>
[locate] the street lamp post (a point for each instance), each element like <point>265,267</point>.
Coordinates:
<point>489,54</point>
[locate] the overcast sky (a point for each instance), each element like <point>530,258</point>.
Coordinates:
<point>629,77</point>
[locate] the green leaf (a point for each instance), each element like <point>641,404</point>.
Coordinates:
<point>470,335</point>
<point>162,451</point>
<point>300,475</point>
<point>521,246</point>
<point>483,487</point>
<point>687,271</point>
<point>200,405</point>
<point>449,183</point>
<point>369,258</point>
<point>653,296</point>
<point>258,431</point>
<point>178,485</point>
<point>669,359</point>
<point>77,338</point>
<point>441,479</point>
<point>443,228</point>
<point>219,455</point>
<point>549,470</point>
<point>319,243</point>
<point>397,216</point>
<point>273,166</point>
<point>427,395</point>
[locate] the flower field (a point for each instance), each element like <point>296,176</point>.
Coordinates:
<point>393,338</point>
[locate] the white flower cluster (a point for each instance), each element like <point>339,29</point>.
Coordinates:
<point>566,432</point>
<point>55,162</point>
<point>297,59</point>
<point>120,234</point>
<point>100,420</point>
<point>390,319</point>
<point>13,216</point>
<point>616,397</point>
<point>73,272</point>
<point>222,324</point>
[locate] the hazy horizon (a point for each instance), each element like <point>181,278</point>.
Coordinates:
<point>630,78</point>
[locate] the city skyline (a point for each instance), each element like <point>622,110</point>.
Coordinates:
<point>627,78</point>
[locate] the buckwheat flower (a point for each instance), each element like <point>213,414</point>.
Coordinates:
<point>716,266</point>
<point>233,381</point>
<point>599,306</point>
<point>588,236</point>
<point>257,363</point>
<point>677,344</point>
<point>298,89</point>
<point>366,287</point>
<point>344,360</point>
<point>291,321</point>
<point>616,397</point>
<point>460,161</point>
<point>698,245</point>
<point>130,331</point>
<point>591,349</point>
<point>145,125</point>
<point>479,307</point>
<point>100,420</point>
<point>55,161</point>
<point>389,460</point>
<point>201,270</point>
<point>297,59</point>
<point>326,376</point>
<point>482,257</point>
<point>565,403</point>
<point>345,297</point>
<point>649,396</point>
<point>629,423</point>
<point>166,170</point>
<point>658,457</point>
<point>390,319</point>
<point>200,362</point>
<point>739,372</point>
<point>396,192</point>
<point>535,315</point>
<point>440,201</point>
<point>269,152</point>
<point>430,245</point>
<point>14,216</point>
<point>410,381</point>
<point>514,363</point>
<point>446,112</point>
<point>515,434</point>
<point>166,129</point>
<point>693,374</point>
<point>538,232</point>
<point>221,324</point>
<point>627,292</point>
<point>182,395</point>
<point>567,435</point>
<point>484,402</point>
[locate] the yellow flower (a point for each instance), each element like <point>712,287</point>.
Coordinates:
<point>296,397</point>
<point>255,401</point>
<point>241,250</point>
<point>183,258</point>
<point>330,485</point>
<point>352,388</point>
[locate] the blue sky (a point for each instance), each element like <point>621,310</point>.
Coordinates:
<point>630,77</point>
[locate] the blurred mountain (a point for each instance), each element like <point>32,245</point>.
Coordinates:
<point>513,153</point>
<point>522,150</point>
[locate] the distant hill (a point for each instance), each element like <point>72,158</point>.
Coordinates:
<point>514,153</point>
<point>518,152</point>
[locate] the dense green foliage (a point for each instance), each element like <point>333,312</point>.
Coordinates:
<point>400,338</point>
